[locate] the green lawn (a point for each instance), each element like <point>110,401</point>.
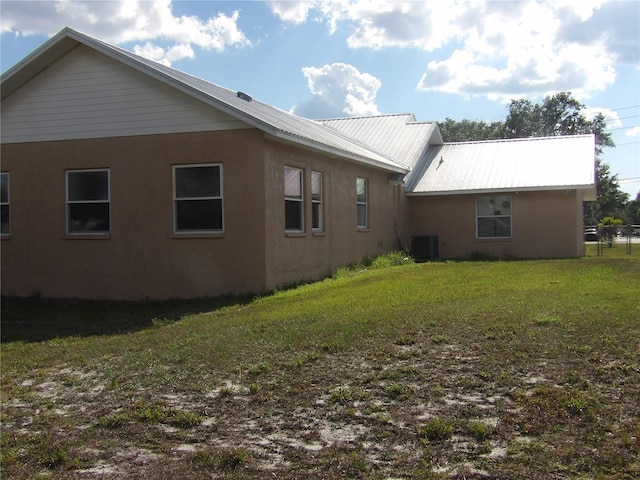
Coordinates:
<point>519,369</point>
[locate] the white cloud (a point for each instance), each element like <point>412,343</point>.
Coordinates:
<point>633,132</point>
<point>291,12</point>
<point>497,49</point>
<point>339,89</point>
<point>123,21</point>
<point>611,116</point>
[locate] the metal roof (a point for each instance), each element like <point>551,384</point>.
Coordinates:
<point>271,120</point>
<point>398,136</point>
<point>546,163</point>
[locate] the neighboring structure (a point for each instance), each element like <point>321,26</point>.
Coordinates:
<point>125,179</point>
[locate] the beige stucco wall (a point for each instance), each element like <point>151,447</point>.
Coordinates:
<point>544,225</point>
<point>141,258</point>
<point>309,255</point>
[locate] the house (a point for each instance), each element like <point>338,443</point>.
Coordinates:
<point>125,179</point>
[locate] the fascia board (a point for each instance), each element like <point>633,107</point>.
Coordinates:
<point>500,190</point>
<point>37,61</point>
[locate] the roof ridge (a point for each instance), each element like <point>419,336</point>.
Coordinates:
<point>361,117</point>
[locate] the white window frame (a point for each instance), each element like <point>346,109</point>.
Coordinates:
<point>362,204</point>
<point>77,202</point>
<point>494,216</point>
<point>317,203</point>
<point>7,203</point>
<point>177,199</point>
<point>297,199</point>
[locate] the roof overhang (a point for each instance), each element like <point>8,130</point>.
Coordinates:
<point>586,189</point>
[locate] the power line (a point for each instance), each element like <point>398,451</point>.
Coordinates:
<point>630,116</point>
<point>621,128</point>
<point>624,108</point>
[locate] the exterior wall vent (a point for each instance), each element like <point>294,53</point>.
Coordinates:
<point>244,96</point>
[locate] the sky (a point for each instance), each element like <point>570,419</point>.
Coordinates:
<point>437,59</point>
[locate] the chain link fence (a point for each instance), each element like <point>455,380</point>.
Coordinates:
<point>627,236</point>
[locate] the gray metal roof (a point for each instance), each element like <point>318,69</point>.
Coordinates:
<point>271,120</point>
<point>547,163</point>
<point>398,136</point>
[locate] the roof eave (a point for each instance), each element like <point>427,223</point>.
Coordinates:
<point>515,190</point>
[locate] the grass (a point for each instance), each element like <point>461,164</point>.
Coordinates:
<point>359,375</point>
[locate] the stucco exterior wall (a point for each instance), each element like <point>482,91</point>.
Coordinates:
<point>293,257</point>
<point>141,257</point>
<point>544,225</point>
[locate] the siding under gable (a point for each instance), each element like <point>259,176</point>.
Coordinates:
<point>88,95</point>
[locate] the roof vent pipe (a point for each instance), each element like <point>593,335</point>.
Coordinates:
<point>244,96</point>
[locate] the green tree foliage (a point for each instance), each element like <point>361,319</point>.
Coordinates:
<point>611,200</point>
<point>633,211</point>
<point>558,114</point>
<point>470,130</point>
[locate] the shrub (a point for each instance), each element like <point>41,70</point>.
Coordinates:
<point>393,259</point>
<point>437,429</point>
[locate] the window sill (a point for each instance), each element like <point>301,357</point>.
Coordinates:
<point>295,234</point>
<point>364,229</point>
<point>319,234</point>
<point>87,236</point>
<point>6,236</point>
<point>194,235</point>
<point>494,239</point>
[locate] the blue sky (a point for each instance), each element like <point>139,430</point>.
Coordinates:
<point>333,58</point>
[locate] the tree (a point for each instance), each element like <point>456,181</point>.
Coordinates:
<point>559,114</point>
<point>470,130</point>
<point>633,211</point>
<point>611,200</point>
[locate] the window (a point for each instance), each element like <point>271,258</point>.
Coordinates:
<point>197,198</point>
<point>361,202</point>
<point>5,225</point>
<point>88,201</point>
<point>293,203</point>
<point>316,202</point>
<point>494,216</point>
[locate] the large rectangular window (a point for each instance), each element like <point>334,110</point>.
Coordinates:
<point>317,219</point>
<point>361,202</point>
<point>197,198</point>
<point>293,200</point>
<point>493,216</point>
<point>5,218</point>
<point>88,205</point>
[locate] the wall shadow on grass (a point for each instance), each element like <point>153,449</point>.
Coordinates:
<point>37,319</point>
